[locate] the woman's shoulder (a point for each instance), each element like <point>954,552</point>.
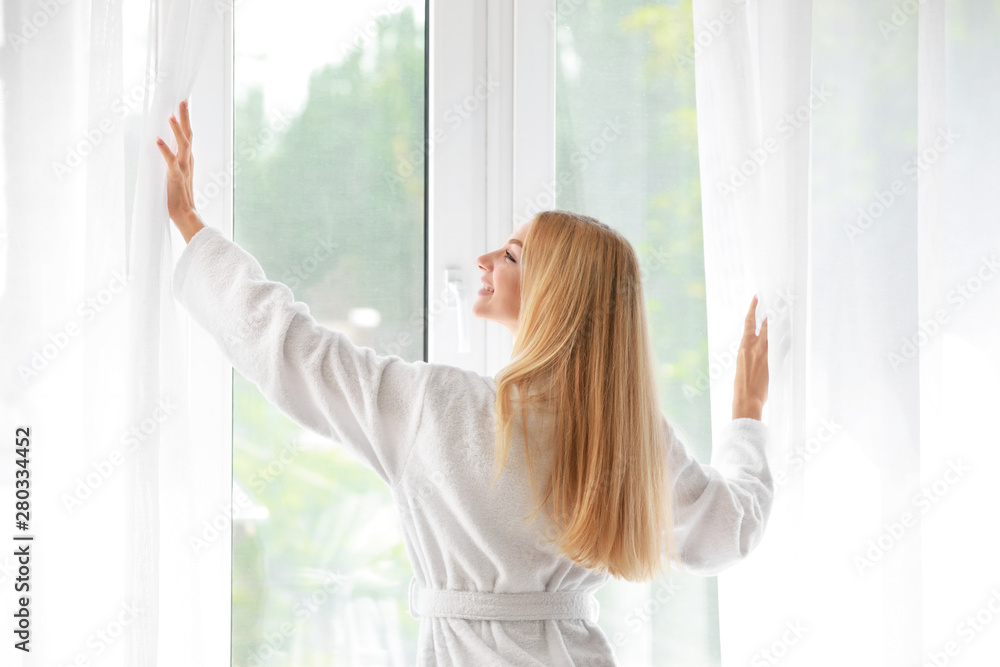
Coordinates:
<point>446,378</point>
<point>461,380</point>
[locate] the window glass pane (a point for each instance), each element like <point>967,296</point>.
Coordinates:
<point>627,154</point>
<point>329,98</point>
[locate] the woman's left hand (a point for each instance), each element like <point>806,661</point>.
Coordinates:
<point>180,175</point>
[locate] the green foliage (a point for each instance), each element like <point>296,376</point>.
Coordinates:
<point>331,171</point>
<point>334,174</point>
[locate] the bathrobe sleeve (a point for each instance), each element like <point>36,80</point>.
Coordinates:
<point>370,403</point>
<point>720,510</point>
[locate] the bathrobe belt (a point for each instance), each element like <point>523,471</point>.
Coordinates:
<point>484,606</point>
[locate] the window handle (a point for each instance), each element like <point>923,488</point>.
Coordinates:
<point>456,287</point>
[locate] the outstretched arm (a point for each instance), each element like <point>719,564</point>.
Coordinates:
<point>721,510</point>
<point>372,404</point>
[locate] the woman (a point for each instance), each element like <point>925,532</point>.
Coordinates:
<point>571,425</point>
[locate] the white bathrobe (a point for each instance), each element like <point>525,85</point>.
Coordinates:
<point>487,587</point>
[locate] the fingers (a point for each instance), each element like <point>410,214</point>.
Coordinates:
<point>750,334</point>
<point>165,151</point>
<point>750,323</point>
<point>182,128</point>
<point>182,133</point>
<point>182,139</point>
<point>186,120</point>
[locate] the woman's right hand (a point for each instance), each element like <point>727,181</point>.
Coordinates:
<point>750,386</point>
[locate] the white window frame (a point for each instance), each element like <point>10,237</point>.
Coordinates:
<point>485,172</point>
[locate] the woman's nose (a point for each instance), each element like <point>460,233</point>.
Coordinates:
<point>484,262</point>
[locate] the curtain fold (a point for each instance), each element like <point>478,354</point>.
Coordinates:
<point>161,494</point>
<point>94,358</point>
<point>848,176</point>
<point>749,78</point>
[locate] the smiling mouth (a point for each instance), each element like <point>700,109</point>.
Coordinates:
<point>485,289</point>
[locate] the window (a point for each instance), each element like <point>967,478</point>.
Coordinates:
<point>328,101</point>
<point>330,147</point>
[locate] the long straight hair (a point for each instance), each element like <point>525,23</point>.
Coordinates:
<point>582,349</point>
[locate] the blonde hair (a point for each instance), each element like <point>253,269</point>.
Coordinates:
<point>582,348</point>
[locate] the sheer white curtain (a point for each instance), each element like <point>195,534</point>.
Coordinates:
<point>849,163</point>
<point>94,360</point>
